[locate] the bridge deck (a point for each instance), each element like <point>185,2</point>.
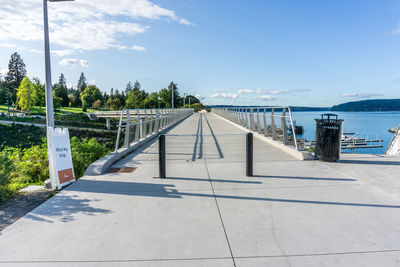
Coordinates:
<point>207,213</point>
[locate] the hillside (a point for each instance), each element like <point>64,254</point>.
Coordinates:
<point>369,105</point>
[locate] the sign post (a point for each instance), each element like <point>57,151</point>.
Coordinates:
<point>60,159</point>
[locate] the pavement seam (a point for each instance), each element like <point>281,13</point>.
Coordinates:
<point>218,209</point>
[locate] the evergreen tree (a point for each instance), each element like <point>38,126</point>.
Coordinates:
<point>61,90</point>
<point>16,72</point>
<point>136,86</point>
<point>81,83</point>
<point>178,101</point>
<point>129,88</point>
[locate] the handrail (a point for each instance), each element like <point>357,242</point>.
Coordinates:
<point>144,123</point>
<point>249,117</point>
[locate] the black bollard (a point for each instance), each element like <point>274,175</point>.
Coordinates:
<point>249,154</point>
<point>161,155</point>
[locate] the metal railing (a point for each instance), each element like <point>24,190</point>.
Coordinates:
<point>274,122</point>
<point>137,124</point>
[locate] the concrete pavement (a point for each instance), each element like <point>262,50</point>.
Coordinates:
<point>207,213</point>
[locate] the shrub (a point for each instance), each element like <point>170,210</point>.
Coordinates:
<point>85,152</point>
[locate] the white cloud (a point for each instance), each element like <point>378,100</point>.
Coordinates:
<point>199,97</point>
<point>73,62</point>
<point>84,63</point>
<point>35,51</point>
<point>245,91</point>
<point>220,90</point>
<point>7,45</point>
<point>81,25</point>
<point>224,95</point>
<point>92,82</point>
<point>265,98</point>
<point>3,71</point>
<point>281,91</point>
<point>62,52</point>
<point>138,48</point>
<point>358,95</point>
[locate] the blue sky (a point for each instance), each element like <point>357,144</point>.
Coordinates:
<point>315,53</point>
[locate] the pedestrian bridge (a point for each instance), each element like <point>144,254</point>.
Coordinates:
<point>206,212</point>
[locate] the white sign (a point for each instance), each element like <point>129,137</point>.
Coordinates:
<point>60,160</point>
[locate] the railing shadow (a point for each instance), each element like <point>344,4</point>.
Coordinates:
<point>304,178</point>
<point>168,191</point>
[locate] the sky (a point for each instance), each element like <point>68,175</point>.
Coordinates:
<point>253,52</point>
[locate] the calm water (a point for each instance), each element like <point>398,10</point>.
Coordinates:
<point>364,124</point>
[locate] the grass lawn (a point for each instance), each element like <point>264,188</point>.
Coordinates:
<point>42,110</point>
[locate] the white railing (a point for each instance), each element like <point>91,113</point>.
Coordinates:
<point>274,122</point>
<point>137,124</point>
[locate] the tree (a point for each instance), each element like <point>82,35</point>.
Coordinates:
<point>136,99</point>
<point>89,96</point>
<point>61,90</point>
<point>166,97</point>
<point>71,98</point>
<point>152,101</point>
<point>16,72</point>
<point>114,103</point>
<point>81,86</point>
<point>136,86</point>
<point>39,93</point>
<point>97,104</point>
<point>129,88</point>
<point>178,101</point>
<point>25,94</point>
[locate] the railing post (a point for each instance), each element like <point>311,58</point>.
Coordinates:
<point>273,126</point>
<point>258,121</point>
<point>161,156</point>
<point>127,130</point>
<point>249,154</point>
<point>108,124</point>
<point>265,124</point>
<point>119,131</point>
<point>284,127</point>
<point>151,122</point>
<point>251,114</point>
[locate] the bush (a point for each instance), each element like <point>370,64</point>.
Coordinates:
<point>85,152</point>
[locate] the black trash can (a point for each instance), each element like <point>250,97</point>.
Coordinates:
<point>327,137</point>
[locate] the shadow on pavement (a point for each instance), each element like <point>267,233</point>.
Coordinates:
<point>167,191</point>
<point>303,178</point>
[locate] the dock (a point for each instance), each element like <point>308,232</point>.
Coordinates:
<point>207,212</point>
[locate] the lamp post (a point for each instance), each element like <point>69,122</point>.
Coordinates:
<point>49,87</point>
<point>184,98</point>
<point>172,89</point>
<point>159,100</point>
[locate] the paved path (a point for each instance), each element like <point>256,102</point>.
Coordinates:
<point>207,213</point>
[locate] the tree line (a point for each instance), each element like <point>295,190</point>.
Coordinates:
<point>17,90</point>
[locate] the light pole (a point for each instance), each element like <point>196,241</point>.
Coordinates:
<point>172,89</point>
<point>184,98</point>
<point>49,87</point>
<point>159,100</point>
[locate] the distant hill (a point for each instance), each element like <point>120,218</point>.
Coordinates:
<point>369,105</point>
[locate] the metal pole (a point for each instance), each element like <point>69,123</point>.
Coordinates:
<point>249,154</point>
<point>184,98</point>
<point>161,156</point>
<point>172,89</point>
<point>189,102</point>
<point>49,89</point>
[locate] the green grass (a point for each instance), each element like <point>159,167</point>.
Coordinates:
<point>42,110</point>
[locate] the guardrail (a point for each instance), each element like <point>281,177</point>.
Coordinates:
<point>263,120</point>
<point>137,124</point>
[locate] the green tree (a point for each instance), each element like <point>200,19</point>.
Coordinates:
<point>166,97</point>
<point>25,94</point>
<point>16,72</point>
<point>152,101</point>
<point>61,90</point>
<point>114,103</point>
<point>136,99</point>
<point>129,88</point>
<point>136,86</point>
<point>89,96</point>
<point>39,93</point>
<point>178,101</point>
<point>81,83</point>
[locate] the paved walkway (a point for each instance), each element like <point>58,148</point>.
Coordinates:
<point>207,213</point>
